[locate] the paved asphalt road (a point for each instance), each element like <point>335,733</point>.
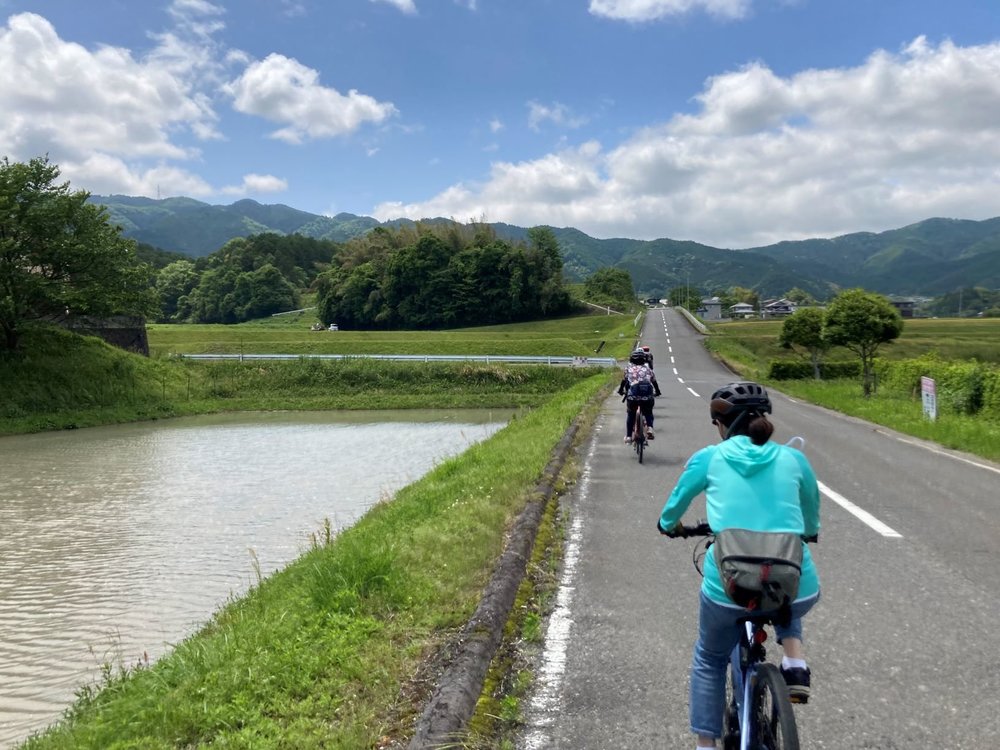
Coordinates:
<point>904,644</point>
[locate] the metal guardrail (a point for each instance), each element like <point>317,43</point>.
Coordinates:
<point>512,359</point>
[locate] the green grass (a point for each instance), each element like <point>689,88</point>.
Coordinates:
<point>62,380</point>
<point>328,652</point>
<point>748,348</point>
<point>951,338</point>
<point>901,412</point>
<point>579,335</point>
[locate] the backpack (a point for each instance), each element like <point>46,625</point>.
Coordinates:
<point>640,386</point>
<point>640,391</point>
<point>760,570</point>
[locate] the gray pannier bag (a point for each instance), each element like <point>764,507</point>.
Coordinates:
<point>760,570</point>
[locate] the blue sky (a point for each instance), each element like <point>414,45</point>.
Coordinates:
<point>729,122</point>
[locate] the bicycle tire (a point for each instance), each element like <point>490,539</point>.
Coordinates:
<point>640,434</point>
<point>772,717</point>
<point>731,718</point>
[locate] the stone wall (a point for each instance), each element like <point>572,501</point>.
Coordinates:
<point>124,331</point>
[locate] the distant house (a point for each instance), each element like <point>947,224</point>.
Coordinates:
<point>712,307</point>
<point>905,306</point>
<point>741,310</point>
<point>777,308</point>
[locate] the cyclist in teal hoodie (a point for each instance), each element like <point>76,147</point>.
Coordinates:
<point>749,483</point>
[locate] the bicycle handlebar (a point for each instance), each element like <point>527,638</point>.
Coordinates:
<point>703,529</point>
<point>699,529</point>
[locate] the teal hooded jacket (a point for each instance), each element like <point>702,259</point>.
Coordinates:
<point>766,487</point>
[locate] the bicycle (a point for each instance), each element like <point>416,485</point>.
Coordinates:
<point>758,713</point>
<point>639,438</point>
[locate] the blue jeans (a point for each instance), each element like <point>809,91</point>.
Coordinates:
<point>718,634</point>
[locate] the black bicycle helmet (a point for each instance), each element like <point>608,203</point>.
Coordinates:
<point>743,397</point>
<point>638,357</point>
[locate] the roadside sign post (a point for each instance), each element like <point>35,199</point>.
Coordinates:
<point>928,393</point>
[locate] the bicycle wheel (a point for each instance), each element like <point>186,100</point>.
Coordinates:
<point>772,721</point>
<point>639,440</point>
<point>731,719</point>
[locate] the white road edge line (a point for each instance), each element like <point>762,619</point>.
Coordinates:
<point>545,705</point>
<point>950,455</point>
<point>860,513</point>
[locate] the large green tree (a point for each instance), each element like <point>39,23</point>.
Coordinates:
<point>862,321</point>
<point>804,330</point>
<point>60,255</point>
<point>173,282</point>
<point>442,276</point>
<point>610,287</point>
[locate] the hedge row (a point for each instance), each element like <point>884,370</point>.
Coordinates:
<point>797,370</point>
<point>962,387</point>
<point>967,387</point>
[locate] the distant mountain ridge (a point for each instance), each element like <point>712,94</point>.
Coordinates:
<point>927,258</point>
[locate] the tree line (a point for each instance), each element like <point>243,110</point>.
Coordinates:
<point>61,256</point>
<point>441,276</point>
<point>421,276</point>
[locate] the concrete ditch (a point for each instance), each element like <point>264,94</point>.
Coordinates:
<point>446,715</point>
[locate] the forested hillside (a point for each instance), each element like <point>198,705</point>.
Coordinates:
<point>929,258</point>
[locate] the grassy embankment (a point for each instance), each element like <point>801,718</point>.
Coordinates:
<point>102,385</point>
<point>328,652</point>
<point>749,347</point>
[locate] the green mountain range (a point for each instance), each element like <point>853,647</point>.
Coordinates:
<point>929,258</point>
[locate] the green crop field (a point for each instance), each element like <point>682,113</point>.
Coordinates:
<point>950,338</point>
<point>580,335</point>
<point>963,356</point>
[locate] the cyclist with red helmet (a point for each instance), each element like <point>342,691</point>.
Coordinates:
<point>649,355</point>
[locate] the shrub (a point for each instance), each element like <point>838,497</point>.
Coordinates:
<point>969,387</point>
<point>794,370</point>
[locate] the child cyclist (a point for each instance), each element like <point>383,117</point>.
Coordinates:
<point>749,483</point>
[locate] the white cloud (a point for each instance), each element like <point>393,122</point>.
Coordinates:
<point>556,113</point>
<point>407,6</point>
<point>495,125</point>
<point>899,138</point>
<point>650,10</point>
<point>104,174</point>
<point>73,103</point>
<point>256,184</point>
<point>293,8</point>
<point>283,90</point>
<point>113,121</point>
